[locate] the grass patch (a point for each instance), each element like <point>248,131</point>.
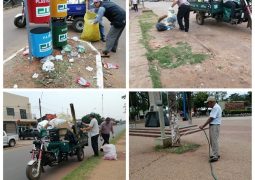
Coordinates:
<point>85,168</point>
<point>173,57</point>
<point>147,21</point>
<point>155,76</point>
<point>117,138</point>
<point>185,147</point>
<point>168,56</point>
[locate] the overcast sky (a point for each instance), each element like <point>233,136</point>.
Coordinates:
<point>84,102</point>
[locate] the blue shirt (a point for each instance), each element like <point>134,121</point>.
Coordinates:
<point>100,13</point>
<point>216,113</point>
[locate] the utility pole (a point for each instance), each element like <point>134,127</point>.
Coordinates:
<point>40,109</point>
<point>156,104</point>
<point>189,107</point>
<point>102,105</point>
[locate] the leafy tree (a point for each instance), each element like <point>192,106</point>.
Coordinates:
<point>98,117</point>
<point>237,97</point>
<point>219,95</point>
<point>138,101</point>
<point>199,98</point>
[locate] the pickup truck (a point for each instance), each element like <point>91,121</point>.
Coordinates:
<point>10,139</point>
<point>29,133</point>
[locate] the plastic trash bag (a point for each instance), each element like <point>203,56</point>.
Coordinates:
<point>90,31</point>
<point>42,125</point>
<point>57,123</point>
<point>48,66</point>
<point>109,152</point>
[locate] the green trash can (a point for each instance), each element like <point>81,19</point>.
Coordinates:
<point>59,33</point>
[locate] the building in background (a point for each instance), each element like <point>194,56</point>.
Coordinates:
<point>17,114</point>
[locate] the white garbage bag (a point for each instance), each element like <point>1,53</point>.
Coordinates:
<point>109,152</point>
<point>58,123</point>
<point>48,66</point>
<point>42,125</point>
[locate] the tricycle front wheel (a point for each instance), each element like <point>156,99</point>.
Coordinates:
<point>80,154</point>
<point>32,173</point>
<point>200,18</point>
<point>20,22</point>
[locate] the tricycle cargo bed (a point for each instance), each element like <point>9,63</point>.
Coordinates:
<point>76,10</point>
<point>214,7</point>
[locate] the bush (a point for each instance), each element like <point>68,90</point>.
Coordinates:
<point>86,118</point>
<point>232,112</point>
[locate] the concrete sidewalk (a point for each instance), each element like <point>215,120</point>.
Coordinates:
<point>139,76</point>
<point>109,170</point>
<point>235,151</point>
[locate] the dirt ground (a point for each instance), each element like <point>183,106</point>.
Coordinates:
<point>109,170</point>
<point>229,47</point>
<point>235,151</point>
<point>64,75</point>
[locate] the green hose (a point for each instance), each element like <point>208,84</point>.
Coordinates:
<point>212,172</point>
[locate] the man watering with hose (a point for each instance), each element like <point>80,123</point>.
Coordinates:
<point>214,122</point>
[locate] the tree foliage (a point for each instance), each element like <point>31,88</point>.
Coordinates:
<point>86,118</point>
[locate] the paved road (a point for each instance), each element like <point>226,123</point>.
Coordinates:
<point>15,159</point>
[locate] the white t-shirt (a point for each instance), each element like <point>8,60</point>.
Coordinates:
<point>216,113</point>
<point>95,128</point>
<point>134,1</point>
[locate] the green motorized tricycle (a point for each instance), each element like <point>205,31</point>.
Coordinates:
<point>216,9</point>
<point>54,146</point>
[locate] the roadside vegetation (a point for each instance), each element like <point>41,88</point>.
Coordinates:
<point>84,170</point>
<point>185,147</point>
<point>167,56</point>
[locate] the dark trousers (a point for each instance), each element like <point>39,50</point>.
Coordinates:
<point>232,5</point>
<point>135,7</point>
<point>101,29</point>
<point>112,38</point>
<point>106,138</point>
<point>94,144</point>
<point>183,12</point>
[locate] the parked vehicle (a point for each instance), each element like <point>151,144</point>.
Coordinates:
<point>76,10</point>
<point>9,139</point>
<point>216,9</point>
<point>29,133</point>
<point>55,146</point>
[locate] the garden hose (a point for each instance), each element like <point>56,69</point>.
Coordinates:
<point>212,172</point>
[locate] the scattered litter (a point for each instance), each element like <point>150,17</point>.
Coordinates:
<point>75,38</point>
<point>110,66</point>
<point>15,86</point>
<point>26,51</point>
<point>78,56</point>
<point>59,58</point>
<point>48,66</point>
<point>71,60</point>
<point>94,77</point>
<point>67,48</point>
<point>82,81</point>
<point>74,53</point>
<point>63,52</point>
<point>81,48</point>
<point>47,58</point>
<point>89,68</point>
<point>35,76</point>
